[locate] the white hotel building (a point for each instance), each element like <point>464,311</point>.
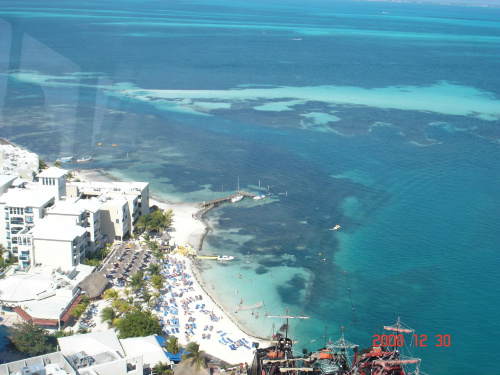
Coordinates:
<point>56,224</point>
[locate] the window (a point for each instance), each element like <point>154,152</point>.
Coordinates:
<point>117,221</point>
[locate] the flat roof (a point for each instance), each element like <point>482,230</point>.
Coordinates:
<point>57,229</point>
<point>24,287</point>
<point>52,172</point>
<point>65,208</point>
<point>93,343</point>
<point>18,197</point>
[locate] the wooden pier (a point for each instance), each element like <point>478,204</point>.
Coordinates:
<point>215,202</point>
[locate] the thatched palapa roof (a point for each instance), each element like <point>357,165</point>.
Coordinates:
<point>94,284</point>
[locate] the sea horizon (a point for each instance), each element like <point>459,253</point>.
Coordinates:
<point>380,117</point>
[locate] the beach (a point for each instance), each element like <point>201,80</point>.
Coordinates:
<point>198,315</point>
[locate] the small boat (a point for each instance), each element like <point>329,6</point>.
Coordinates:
<point>67,159</point>
<point>237,198</point>
<point>84,159</point>
<point>224,257</point>
<point>259,197</point>
<point>335,227</point>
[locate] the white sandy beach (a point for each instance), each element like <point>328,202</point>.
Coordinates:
<point>188,231</point>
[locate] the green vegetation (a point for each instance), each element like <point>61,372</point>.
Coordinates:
<point>157,221</point>
<point>109,315</point>
<point>3,262</point>
<point>162,369</point>
<point>173,345</point>
<point>195,355</point>
<point>138,324</point>
<point>30,339</point>
<point>136,281</point>
<point>42,165</point>
<point>95,259</point>
<point>81,308</point>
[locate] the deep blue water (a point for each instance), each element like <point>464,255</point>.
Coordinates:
<point>380,117</point>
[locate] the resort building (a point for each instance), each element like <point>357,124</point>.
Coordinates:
<point>20,210</point>
<point>85,213</point>
<point>54,180</point>
<point>52,363</point>
<point>103,353</point>
<point>116,216</point>
<point>42,295</point>
<point>125,189</point>
<point>59,243</point>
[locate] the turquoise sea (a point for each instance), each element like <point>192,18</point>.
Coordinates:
<point>381,117</point>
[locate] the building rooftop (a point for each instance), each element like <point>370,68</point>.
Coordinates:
<point>24,287</point>
<point>148,347</point>
<point>26,198</point>
<point>57,229</point>
<point>67,207</point>
<point>94,344</point>
<point>52,363</point>
<point>52,172</point>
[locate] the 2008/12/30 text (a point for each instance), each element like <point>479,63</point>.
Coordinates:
<point>419,340</point>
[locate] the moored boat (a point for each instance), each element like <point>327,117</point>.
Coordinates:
<point>225,257</point>
<point>66,159</point>
<point>84,159</point>
<point>237,198</point>
<point>259,197</point>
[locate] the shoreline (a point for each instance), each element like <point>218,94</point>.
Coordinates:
<point>189,228</point>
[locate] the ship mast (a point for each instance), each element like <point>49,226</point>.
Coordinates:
<point>287,317</point>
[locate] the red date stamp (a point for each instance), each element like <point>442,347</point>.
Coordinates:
<point>419,340</point>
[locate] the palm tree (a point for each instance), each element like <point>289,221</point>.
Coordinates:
<point>127,292</point>
<point>153,246</point>
<point>42,165</point>
<point>195,355</point>
<point>173,345</point>
<point>123,306</point>
<point>156,296</point>
<point>154,269</point>
<point>111,294</point>
<point>144,222</point>
<point>157,282</point>
<point>136,282</point>
<point>162,369</point>
<point>146,297</point>
<point>108,314</point>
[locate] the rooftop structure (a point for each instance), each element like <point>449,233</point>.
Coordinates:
<point>56,229</point>
<point>100,353</point>
<point>52,363</point>
<point>26,198</point>
<point>42,295</point>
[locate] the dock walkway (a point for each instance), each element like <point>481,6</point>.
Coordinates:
<point>215,202</point>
